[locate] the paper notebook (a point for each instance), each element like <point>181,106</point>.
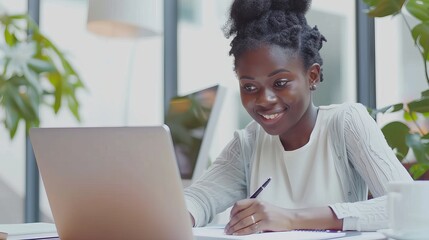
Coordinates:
<point>217,233</point>
<point>29,230</point>
<point>213,233</point>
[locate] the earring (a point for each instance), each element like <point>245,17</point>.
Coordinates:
<point>313,87</point>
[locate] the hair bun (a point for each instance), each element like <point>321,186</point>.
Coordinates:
<point>243,11</point>
<point>296,6</point>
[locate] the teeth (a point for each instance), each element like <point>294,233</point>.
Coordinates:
<point>271,116</point>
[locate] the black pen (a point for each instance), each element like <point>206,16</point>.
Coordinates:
<point>255,194</point>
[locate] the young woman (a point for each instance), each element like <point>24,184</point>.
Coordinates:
<point>321,159</point>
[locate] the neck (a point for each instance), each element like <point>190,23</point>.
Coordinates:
<point>300,134</point>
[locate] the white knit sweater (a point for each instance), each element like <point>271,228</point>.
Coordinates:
<point>363,159</point>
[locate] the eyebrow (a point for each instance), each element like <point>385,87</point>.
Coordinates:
<point>269,75</point>
<point>278,71</point>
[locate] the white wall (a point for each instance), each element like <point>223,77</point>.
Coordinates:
<point>12,152</point>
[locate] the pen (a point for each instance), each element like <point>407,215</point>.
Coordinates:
<point>255,194</point>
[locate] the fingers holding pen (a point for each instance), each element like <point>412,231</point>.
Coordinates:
<point>248,225</point>
<point>252,216</point>
<point>247,215</point>
<point>242,206</point>
<point>244,218</point>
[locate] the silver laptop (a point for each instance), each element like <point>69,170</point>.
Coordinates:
<point>112,183</point>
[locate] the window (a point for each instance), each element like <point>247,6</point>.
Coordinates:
<point>400,70</point>
<point>123,79</point>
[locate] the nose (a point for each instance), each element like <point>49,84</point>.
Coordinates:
<point>267,97</point>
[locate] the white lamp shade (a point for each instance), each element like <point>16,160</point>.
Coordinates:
<point>125,18</point>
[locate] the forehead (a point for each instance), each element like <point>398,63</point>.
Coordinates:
<point>267,58</point>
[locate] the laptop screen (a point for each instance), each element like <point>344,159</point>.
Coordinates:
<point>191,119</point>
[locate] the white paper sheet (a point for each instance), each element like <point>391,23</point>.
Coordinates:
<point>215,233</point>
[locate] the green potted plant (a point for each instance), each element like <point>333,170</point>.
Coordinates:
<point>412,131</point>
<point>33,72</point>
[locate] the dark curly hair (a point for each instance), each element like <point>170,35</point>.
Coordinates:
<point>281,22</point>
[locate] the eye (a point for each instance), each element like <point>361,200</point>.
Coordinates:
<point>248,88</point>
<point>281,83</point>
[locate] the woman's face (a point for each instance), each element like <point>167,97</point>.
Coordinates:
<point>275,87</point>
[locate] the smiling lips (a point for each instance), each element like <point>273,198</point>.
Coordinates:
<point>271,116</point>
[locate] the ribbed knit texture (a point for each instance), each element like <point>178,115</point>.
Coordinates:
<point>364,160</point>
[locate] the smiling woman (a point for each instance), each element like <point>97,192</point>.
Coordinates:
<point>322,159</point>
<point>284,81</point>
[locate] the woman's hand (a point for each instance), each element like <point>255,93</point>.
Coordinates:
<point>252,216</point>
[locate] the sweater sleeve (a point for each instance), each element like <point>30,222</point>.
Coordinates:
<point>219,187</point>
<point>374,160</point>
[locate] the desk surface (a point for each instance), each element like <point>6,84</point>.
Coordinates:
<point>216,233</point>
<point>47,231</point>
<point>359,236</point>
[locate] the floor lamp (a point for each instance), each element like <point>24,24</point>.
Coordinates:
<point>125,19</point>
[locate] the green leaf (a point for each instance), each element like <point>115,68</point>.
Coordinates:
<point>18,16</point>
<point>74,106</point>
<point>382,8</point>
<point>40,66</point>
<point>15,99</point>
<point>425,93</point>
<point>372,111</point>
<point>421,36</point>
<point>387,109</point>
<point>56,81</point>
<point>396,107</point>
<point>418,169</point>
<point>30,105</point>
<point>30,124</point>
<point>419,9</point>
<point>11,115</point>
<point>9,38</point>
<point>419,105</point>
<point>371,2</point>
<point>34,99</point>
<point>420,147</point>
<point>13,128</point>
<point>395,134</point>
<point>410,116</point>
<point>18,103</point>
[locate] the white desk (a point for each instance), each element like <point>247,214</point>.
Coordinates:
<point>216,233</point>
